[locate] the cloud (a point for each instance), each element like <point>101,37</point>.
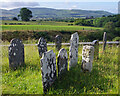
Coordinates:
<point>74,6</point>
<point>8,5</point>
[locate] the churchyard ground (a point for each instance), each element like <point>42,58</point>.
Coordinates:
<point>27,80</point>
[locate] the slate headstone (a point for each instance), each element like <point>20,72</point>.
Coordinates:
<point>16,53</point>
<point>73,50</point>
<point>87,58</point>
<point>58,41</point>
<point>62,61</point>
<point>96,49</point>
<point>48,68</point>
<point>42,46</point>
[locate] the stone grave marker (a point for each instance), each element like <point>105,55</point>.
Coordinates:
<point>16,53</point>
<point>104,40</point>
<point>58,41</point>
<point>62,61</point>
<point>73,50</point>
<point>48,68</point>
<point>96,49</point>
<point>87,58</point>
<point>42,46</point>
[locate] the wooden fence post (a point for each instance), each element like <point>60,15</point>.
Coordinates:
<point>104,40</point>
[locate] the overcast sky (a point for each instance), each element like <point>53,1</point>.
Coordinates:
<point>106,5</point>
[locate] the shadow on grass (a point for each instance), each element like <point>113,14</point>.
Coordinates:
<point>76,82</point>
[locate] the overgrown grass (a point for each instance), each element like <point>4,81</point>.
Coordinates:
<point>46,27</point>
<point>28,80</point>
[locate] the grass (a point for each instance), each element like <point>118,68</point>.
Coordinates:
<point>34,22</point>
<point>27,80</point>
<point>23,22</point>
<point>46,27</point>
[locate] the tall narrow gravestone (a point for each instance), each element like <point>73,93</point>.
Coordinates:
<point>58,41</point>
<point>48,68</point>
<point>42,46</point>
<point>16,53</point>
<point>87,58</point>
<point>104,40</point>
<point>96,48</point>
<point>73,50</point>
<point>62,61</point>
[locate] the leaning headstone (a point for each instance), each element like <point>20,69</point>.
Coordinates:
<point>62,61</point>
<point>58,41</point>
<point>48,68</point>
<point>42,46</point>
<point>73,50</point>
<point>87,58</point>
<point>16,53</point>
<point>104,40</point>
<point>95,43</point>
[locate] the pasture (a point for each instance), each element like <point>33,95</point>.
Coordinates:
<point>42,26</point>
<point>46,28</point>
<point>35,22</point>
<point>27,80</point>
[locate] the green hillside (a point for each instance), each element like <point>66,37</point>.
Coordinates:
<point>55,13</point>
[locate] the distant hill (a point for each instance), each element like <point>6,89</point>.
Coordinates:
<point>55,13</point>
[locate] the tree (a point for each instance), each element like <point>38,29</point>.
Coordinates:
<point>25,14</point>
<point>18,16</point>
<point>109,26</point>
<point>15,18</point>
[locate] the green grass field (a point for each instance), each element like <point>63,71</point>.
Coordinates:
<point>46,27</point>
<point>35,22</point>
<point>27,80</point>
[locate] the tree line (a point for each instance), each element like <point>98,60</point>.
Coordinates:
<point>99,22</point>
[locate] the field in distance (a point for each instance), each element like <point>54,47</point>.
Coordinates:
<point>4,22</point>
<point>46,27</point>
<point>43,25</point>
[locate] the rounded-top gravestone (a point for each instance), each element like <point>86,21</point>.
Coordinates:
<point>58,41</point>
<point>16,53</point>
<point>95,43</point>
<point>42,46</point>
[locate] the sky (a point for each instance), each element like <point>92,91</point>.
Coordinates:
<point>59,1</point>
<point>106,5</point>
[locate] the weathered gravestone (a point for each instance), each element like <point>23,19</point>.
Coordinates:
<point>42,46</point>
<point>87,58</point>
<point>16,53</point>
<point>48,68</point>
<point>58,41</point>
<point>62,61</point>
<point>95,43</point>
<point>73,50</point>
<point>104,40</point>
